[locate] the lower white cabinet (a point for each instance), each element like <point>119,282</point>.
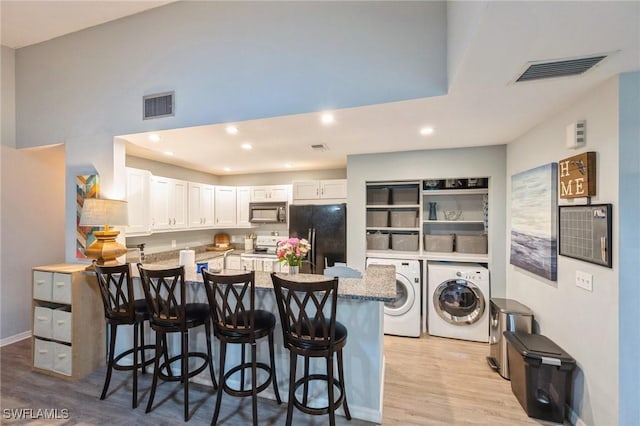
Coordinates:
<point>68,321</point>
<point>233,262</point>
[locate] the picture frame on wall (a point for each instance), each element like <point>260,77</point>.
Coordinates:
<point>87,186</point>
<point>534,209</point>
<point>585,233</point>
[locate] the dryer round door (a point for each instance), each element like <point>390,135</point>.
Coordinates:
<point>459,302</point>
<point>406,297</point>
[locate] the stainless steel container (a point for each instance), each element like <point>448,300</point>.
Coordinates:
<point>505,315</point>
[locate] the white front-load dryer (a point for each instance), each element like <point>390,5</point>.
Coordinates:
<point>402,316</point>
<point>458,300</point>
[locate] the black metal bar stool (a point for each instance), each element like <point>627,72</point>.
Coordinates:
<point>236,323</point>
<point>165,291</point>
<point>309,332</point>
<point>121,308</point>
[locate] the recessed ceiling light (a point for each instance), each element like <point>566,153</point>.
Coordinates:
<point>232,130</point>
<point>169,153</point>
<point>246,146</point>
<point>327,118</point>
<point>426,131</point>
<point>154,137</point>
<point>288,165</point>
<point>227,169</point>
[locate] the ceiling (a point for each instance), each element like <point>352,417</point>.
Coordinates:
<point>483,107</point>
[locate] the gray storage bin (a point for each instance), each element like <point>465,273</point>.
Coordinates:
<point>404,195</point>
<point>404,219</point>
<point>441,243</point>
<point>377,241</point>
<point>377,218</point>
<point>471,243</point>
<point>377,196</point>
<point>404,242</point>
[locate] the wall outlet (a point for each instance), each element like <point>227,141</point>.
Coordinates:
<point>173,243</point>
<point>584,280</point>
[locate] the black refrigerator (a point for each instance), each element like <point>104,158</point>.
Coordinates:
<point>325,227</point>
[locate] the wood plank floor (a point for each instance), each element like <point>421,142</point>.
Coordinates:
<point>428,381</point>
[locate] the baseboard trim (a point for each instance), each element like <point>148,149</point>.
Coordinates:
<point>15,338</point>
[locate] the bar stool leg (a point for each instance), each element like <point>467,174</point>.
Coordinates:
<point>306,383</point>
<point>331,400</point>
<point>185,372</point>
<point>221,383</point>
<point>293,357</point>
<point>242,371</point>
<point>207,327</point>
<point>344,388</point>
<point>112,346</point>
<point>160,342</point>
<point>273,368</point>
<point>142,355</point>
<point>254,383</point>
<point>134,402</point>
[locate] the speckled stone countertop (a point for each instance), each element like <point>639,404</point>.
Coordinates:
<point>378,282</point>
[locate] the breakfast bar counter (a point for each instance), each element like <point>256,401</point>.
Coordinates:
<point>360,310</point>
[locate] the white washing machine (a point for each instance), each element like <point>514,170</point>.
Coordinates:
<point>402,317</point>
<point>458,301</point>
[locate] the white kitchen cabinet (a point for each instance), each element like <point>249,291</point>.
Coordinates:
<point>68,321</point>
<point>332,189</point>
<point>201,205</point>
<point>138,202</point>
<point>225,202</point>
<point>243,197</point>
<point>168,203</point>
<point>270,193</point>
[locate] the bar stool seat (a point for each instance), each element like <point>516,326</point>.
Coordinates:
<point>309,327</point>
<point>236,321</point>
<point>120,308</point>
<point>165,292</point>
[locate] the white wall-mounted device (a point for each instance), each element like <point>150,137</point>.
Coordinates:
<point>576,135</point>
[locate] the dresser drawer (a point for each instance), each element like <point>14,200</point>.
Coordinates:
<point>43,354</point>
<point>61,288</point>
<point>42,285</point>
<point>61,324</point>
<point>62,358</point>
<point>42,321</point>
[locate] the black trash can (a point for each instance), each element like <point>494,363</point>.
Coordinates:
<point>540,374</point>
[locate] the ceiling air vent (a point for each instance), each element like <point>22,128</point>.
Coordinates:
<point>561,68</point>
<point>319,147</point>
<point>158,105</point>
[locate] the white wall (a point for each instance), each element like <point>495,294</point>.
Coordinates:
<point>430,164</point>
<point>8,91</point>
<point>629,248</point>
<point>32,226</point>
<point>583,323</point>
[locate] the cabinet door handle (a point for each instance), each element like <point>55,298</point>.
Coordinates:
<point>42,318</point>
<point>43,351</point>
<point>59,284</point>
<point>62,355</point>
<point>61,322</point>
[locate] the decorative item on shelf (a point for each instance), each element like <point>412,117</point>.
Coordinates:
<point>433,215</point>
<point>292,251</point>
<point>452,214</point>
<point>107,213</point>
<point>431,184</point>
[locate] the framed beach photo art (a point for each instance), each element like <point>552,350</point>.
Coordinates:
<point>534,210</point>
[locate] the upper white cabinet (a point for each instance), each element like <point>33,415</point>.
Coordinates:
<point>320,189</point>
<point>270,193</point>
<point>138,201</point>
<point>243,197</point>
<point>168,203</point>
<point>225,202</point>
<point>201,198</point>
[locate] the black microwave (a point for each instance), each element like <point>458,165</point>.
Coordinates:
<point>268,212</point>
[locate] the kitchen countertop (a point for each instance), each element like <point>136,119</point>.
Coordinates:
<point>378,282</point>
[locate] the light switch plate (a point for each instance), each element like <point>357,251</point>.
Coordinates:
<point>584,280</point>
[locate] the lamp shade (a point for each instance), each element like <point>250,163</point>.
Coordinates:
<point>103,212</point>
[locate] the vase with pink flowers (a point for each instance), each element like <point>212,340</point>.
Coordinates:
<point>292,252</point>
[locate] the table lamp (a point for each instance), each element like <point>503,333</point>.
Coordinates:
<point>107,213</point>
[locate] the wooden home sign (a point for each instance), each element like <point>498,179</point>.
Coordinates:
<point>578,176</point>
